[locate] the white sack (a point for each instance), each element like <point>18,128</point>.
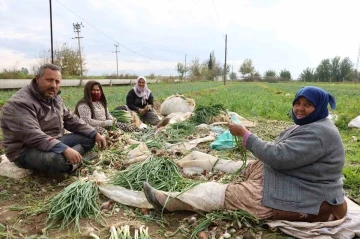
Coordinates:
<point>190,144</point>
<point>355,123</point>
<point>205,197</point>
<point>197,162</point>
<point>125,196</point>
<point>178,117</point>
<point>176,103</point>
<point>10,170</point>
<point>139,154</point>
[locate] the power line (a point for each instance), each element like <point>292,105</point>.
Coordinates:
<point>104,33</point>
<point>218,19</point>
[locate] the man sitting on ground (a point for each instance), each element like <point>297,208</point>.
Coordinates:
<point>33,122</point>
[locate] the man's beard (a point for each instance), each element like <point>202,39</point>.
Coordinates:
<point>46,97</point>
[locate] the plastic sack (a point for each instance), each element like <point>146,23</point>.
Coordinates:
<point>197,162</point>
<point>139,154</point>
<point>119,194</point>
<point>125,196</point>
<point>355,123</point>
<point>206,197</point>
<point>177,103</point>
<point>10,170</point>
<point>225,140</point>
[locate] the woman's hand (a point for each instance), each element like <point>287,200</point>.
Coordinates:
<point>237,129</point>
<point>142,111</point>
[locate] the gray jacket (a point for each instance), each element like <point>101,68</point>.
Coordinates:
<point>302,168</point>
<point>29,121</point>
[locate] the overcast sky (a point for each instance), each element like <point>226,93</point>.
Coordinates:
<point>275,34</point>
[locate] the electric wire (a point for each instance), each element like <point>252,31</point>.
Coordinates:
<point>103,32</point>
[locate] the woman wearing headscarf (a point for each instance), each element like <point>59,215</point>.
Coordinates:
<point>92,108</point>
<point>141,100</point>
<point>296,178</point>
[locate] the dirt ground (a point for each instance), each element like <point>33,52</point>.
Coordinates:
<point>23,213</point>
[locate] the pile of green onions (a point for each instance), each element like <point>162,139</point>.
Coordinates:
<point>204,114</point>
<point>238,217</point>
<point>76,201</point>
<point>160,173</point>
<point>122,116</point>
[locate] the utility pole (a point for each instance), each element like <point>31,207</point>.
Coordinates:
<point>357,66</point>
<point>117,62</point>
<point>185,66</point>
<point>51,35</point>
<point>77,29</point>
<point>225,59</point>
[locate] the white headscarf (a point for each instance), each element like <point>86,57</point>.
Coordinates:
<point>143,93</point>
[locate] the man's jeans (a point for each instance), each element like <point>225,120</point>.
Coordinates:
<point>50,162</point>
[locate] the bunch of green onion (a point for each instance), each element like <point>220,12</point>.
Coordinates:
<point>204,114</point>
<point>160,173</point>
<point>122,116</point>
<point>238,142</point>
<point>76,201</point>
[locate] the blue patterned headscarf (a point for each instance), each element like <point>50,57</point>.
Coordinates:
<point>320,99</point>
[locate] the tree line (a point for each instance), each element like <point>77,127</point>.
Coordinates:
<point>206,70</point>
<point>331,70</point>
<point>328,70</point>
<point>67,58</point>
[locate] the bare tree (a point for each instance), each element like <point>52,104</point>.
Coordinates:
<point>66,57</point>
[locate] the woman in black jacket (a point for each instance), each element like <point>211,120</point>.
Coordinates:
<point>141,100</point>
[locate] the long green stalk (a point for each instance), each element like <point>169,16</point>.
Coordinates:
<point>160,173</point>
<point>76,201</point>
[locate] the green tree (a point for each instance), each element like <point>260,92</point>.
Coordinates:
<point>270,73</point>
<point>195,69</point>
<point>308,75</point>
<point>24,71</point>
<point>285,74</point>
<point>257,74</point>
<point>247,67</point>
<point>210,63</point>
<point>346,69</point>
<point>233,76</point>
<point>335,69</point>
<point>324,70</point>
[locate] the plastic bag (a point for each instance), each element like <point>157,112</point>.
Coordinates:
<point>225,140</point>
